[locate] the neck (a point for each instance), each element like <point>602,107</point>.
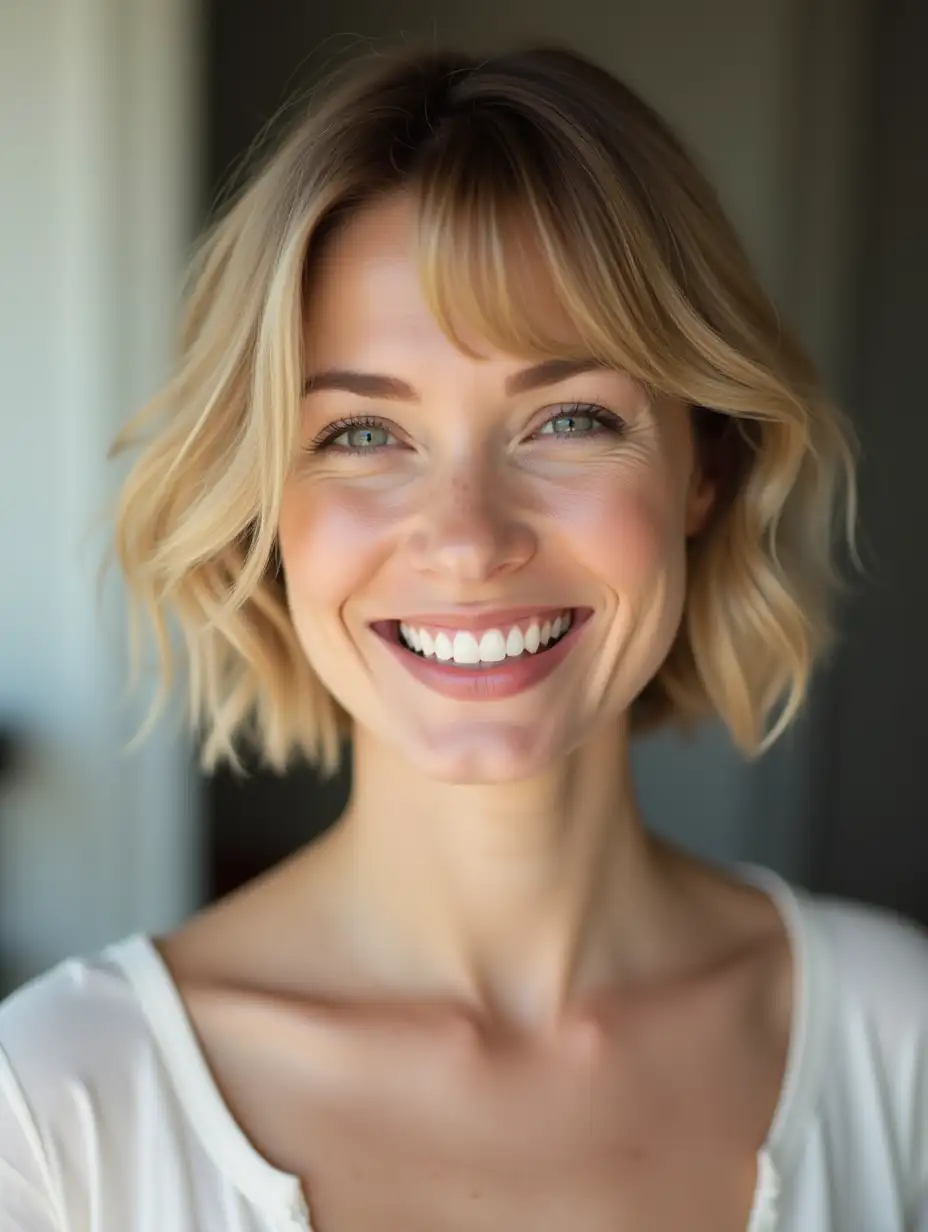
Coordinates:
<point>516,897</point>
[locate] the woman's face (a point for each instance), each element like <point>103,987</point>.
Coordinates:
<point>484,557</point>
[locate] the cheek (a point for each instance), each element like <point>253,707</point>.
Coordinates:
<point>624,528</point>
<point>331,541</point>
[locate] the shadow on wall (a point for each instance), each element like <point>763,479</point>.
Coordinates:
<point>12,757</point>
<point>256,820</point>
<point>7,753</point>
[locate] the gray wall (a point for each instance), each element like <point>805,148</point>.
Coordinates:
<point>871,786</point>
<point>99,165</point>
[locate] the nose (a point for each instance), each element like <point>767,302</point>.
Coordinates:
<point>469,528</point>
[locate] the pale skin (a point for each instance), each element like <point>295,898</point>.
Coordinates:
<point>488,998</point>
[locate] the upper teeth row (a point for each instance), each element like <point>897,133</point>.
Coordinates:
<point>493,646</point>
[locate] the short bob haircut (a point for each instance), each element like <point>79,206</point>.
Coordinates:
<point>537,143</point>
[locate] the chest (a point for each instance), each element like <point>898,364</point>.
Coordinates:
<point>650,1120</point>
<point>660,1141</point>
<point>529,1176</point>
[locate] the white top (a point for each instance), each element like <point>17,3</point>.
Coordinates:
<point>110,1120</point>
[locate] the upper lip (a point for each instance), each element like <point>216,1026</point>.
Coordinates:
<point>481,621</point>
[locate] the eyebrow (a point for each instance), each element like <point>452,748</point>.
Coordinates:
<point>376,385</point>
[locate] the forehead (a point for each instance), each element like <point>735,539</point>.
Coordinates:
<point>365,291</point>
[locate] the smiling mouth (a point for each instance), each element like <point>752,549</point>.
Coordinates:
<point>486,649</point>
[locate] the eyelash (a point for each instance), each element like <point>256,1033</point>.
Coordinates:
<point>604,418</point>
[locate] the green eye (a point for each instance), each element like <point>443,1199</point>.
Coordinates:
<point>582,419</point>
<point>570,424</point>
<point>362,437</point>
<point>354,436</point>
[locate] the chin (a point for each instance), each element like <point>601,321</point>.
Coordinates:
<point>484,754</point>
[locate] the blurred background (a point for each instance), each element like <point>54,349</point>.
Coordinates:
<point>120,123</point>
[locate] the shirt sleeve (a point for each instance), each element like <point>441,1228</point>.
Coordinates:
<point>27,1202</point>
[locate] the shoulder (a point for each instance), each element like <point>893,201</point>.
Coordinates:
<point>76,1060</point>
<point>872,968</point>
<point>867,984</point>
<point>71,1022</point>
<point>878,961</point>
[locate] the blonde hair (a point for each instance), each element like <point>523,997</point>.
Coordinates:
<point>537,146</point>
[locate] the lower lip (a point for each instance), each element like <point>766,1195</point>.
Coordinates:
<point>488,684</point>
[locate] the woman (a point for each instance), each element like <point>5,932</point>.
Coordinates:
<point>486,451</point>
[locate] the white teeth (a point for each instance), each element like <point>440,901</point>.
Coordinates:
<point>465,648</point>
<point>444,650</point>
<point>492,647</point>
<point>515,642</point>
<point>411,636</point>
